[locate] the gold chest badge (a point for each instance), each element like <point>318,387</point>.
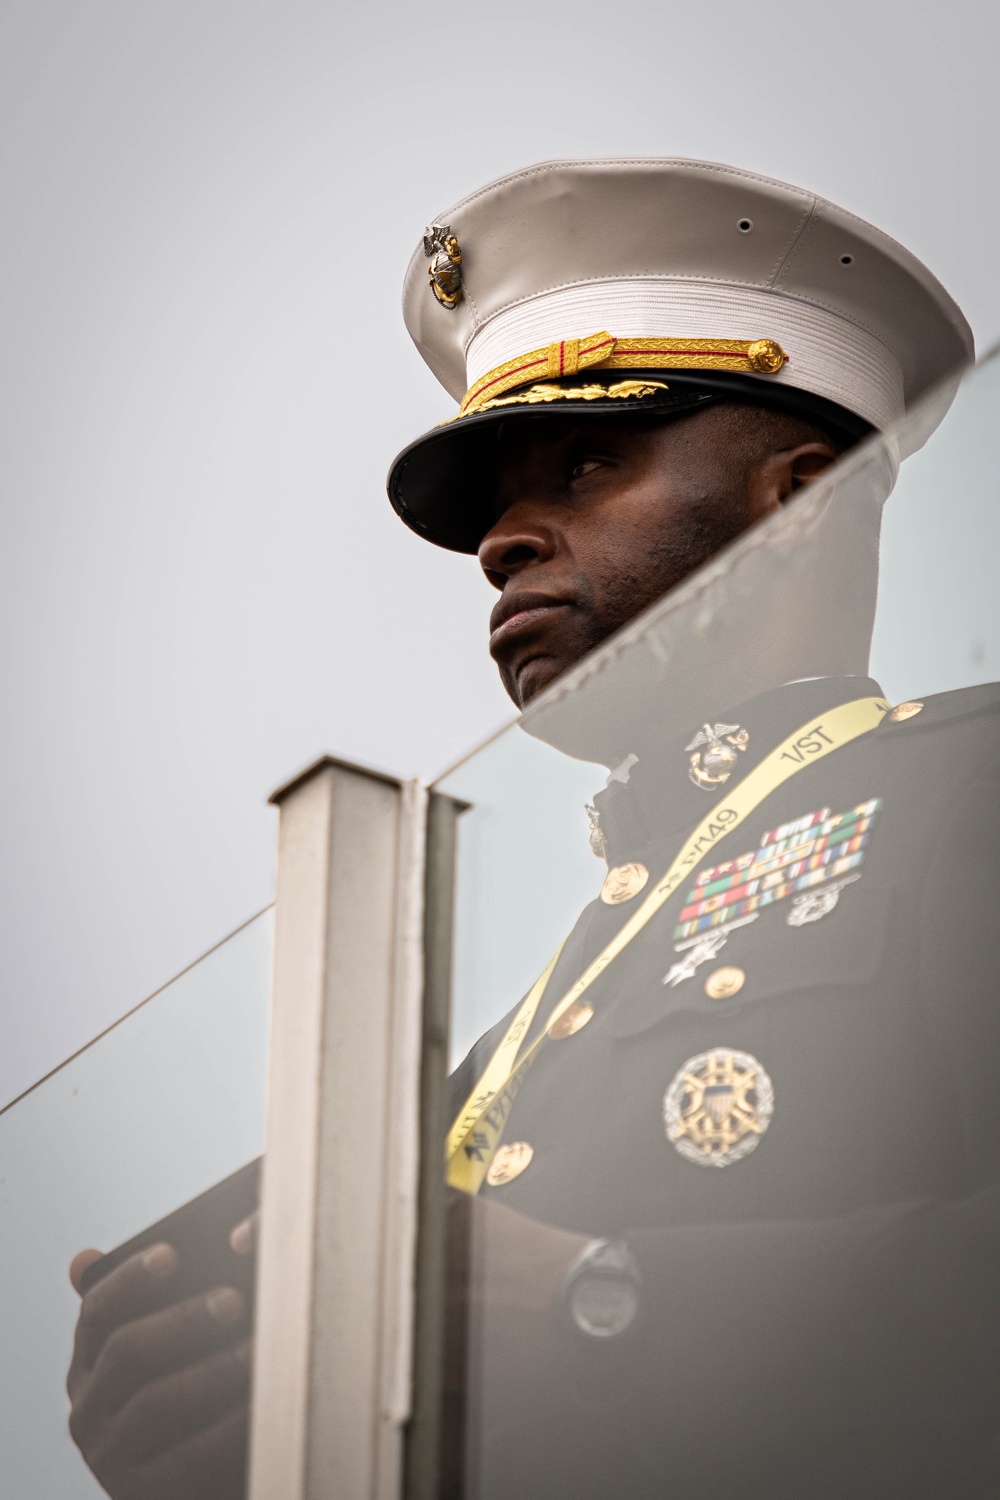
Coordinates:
<point>717,1107</point>
<point>712,766</point>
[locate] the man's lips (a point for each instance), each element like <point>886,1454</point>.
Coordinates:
<point>516,613</point>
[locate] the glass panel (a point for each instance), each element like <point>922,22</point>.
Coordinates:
<point>157,1110</point>
<point>723,1214</point>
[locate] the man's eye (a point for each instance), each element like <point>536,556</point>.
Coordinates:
<point>585,466</point>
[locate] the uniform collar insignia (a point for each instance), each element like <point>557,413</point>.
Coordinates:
<point>662,795</point>
<point>713,765</point>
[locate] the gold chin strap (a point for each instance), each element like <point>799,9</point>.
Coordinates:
<point>601,351</point>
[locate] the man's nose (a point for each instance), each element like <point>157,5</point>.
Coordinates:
<point>518,540</point>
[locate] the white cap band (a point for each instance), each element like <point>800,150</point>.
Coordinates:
<point>827,354</point>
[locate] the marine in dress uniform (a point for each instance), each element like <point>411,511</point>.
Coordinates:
<point>761,1074</point>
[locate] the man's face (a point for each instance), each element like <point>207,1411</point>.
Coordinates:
<point>597,519</point>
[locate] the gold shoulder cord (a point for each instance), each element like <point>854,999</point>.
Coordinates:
<point>478,1128</point>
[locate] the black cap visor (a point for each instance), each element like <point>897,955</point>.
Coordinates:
<point>441,484</point>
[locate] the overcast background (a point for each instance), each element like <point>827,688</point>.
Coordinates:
<point>207,210</point>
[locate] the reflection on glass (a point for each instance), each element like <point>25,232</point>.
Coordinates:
<point>723,1211</point>
<point>159,1109</point>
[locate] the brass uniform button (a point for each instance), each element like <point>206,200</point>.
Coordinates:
<point>622,882</point>
<point>904,711</point>
<point>571,1021</point>
<point>721,984</point>
<point>509,1162</point>
<point>766,356</point>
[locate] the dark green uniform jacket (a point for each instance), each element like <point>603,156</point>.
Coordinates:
<point>821,1317</point>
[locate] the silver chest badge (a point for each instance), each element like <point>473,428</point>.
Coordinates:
<point>699,950</point>
<point>814,905</point>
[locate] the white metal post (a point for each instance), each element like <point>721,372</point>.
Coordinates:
<point>332,1368</point>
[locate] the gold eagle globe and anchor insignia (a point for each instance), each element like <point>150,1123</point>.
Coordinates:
<point>714,764</point>
<point>717,1107</point>
<point>445,269</point>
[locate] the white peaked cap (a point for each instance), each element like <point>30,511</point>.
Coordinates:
<point>673,265</point>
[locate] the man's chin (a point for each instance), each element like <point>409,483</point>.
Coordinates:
<point>528,679</point>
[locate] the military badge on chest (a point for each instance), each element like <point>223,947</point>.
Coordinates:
<point>718,1106</point>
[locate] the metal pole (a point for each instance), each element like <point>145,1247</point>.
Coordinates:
<point>332,1369</point>
<point>423,1465</point>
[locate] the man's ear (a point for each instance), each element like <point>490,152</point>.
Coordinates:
<point>776,478</point>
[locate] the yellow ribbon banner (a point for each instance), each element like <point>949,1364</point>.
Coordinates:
<point>478,1128</point>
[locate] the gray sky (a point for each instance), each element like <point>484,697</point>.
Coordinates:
<point>207,213</point>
